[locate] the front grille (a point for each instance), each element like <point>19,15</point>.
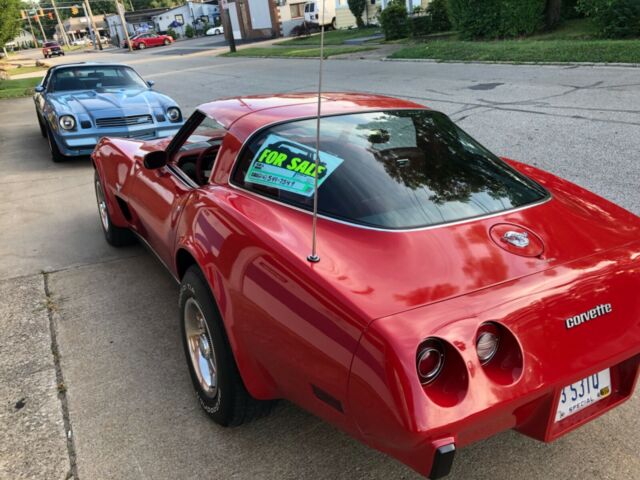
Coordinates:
<point>124,121</point>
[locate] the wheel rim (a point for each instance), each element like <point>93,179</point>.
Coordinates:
<point>102,206</point>
<point>201,351</point>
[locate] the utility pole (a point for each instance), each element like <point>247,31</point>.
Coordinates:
<point>91,34</point>
<point>120,9</point>
<point>96,33</point>
<point>228,28</point>
<point>64,34</point>
<point>44,37</point>
<point>35,39</point>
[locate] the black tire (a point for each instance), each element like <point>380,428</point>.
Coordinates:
<point>43,128</point>
<point>115,236</point>
<point>333,24</point>
<point>46,56</point>
<point>56,155</point>
<point>230,404</point>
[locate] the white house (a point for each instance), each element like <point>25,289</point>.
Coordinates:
<point>345,19</point>
<point>291,13</point>
<point>198,15</point>
<point>24,39</point>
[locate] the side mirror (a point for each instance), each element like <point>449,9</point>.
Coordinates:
<point>151,83</point>
<point>39,89</point>
<point>157,159</point>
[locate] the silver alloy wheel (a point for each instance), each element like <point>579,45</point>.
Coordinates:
<point>102,206</point>
<point>142,46</point>
<point>201,351</point>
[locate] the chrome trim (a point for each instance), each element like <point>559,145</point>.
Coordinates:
<point>547,198</point>
<point>399,230</point>
<point>186,179</point>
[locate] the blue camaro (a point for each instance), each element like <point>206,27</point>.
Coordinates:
<point>77,104</point>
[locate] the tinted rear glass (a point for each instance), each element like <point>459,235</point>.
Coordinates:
<point>391,169</point>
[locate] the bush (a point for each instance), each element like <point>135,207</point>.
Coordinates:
<point>172,33</point>
<point>188,31</point>
<point>395,21</point>
<point>357,9</point>
<point>437,11</point>
<point>613,18</point>
<point>421,26</point>
<point>496,18</point>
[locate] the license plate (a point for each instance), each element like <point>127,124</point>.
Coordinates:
<point>583,393</point>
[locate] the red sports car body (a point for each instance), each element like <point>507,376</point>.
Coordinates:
<point>146,40</point>
<point>457,295</point>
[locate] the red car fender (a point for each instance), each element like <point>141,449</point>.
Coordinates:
<point>110,172</point>
<point>191,247</point>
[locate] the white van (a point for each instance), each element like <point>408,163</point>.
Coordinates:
<point>313,13</point>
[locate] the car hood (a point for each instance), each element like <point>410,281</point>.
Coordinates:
<point>110,102</point>
<point>379,273</point>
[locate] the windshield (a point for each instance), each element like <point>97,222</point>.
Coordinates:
<point>391,169</point>
<point>95,77</point>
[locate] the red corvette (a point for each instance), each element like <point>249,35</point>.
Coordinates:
<point>456,294</point>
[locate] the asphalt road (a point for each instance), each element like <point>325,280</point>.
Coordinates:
<point>126,407</point>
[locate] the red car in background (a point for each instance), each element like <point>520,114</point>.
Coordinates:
<point>456,294</point>
<point>50,49</point>
<point>140,42</point>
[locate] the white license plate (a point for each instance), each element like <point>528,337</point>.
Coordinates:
<point>583,393</point>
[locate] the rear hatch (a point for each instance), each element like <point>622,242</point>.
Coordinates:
<point>386,272</point>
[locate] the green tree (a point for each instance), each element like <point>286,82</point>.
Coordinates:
<point>9,20</point>
<point>357,8</point>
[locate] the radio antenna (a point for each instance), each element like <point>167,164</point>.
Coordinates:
<point>314,258</point>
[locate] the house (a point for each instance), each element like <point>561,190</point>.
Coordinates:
<point>291,14</point>
<point>137,22</point>
<point>24,39</point>
<point>254,19</point>
<point>78,27</point>
<point>345,19</point>
<point>198,15</point>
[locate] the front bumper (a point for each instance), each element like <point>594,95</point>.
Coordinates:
<point>82,142</point>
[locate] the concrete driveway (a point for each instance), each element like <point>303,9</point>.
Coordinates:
<point>93,379</point>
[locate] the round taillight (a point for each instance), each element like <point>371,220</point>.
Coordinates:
<point>430,360</point>
<point>487,342</point>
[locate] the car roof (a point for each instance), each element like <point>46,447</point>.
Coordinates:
<point>257,111</point>
<point>88,64</point>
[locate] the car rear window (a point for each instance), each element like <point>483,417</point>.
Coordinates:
<point>388,169</point>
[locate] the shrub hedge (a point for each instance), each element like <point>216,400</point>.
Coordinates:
<point>395,21</point>
<point>496,18</point>
<point>613,18</point>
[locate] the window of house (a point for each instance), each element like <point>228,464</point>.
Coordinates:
<point>297,10</point>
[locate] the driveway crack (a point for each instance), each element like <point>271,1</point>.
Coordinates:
<point>52,311</point>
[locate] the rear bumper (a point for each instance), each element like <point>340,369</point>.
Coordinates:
<point>80,143</point>
<point>470,402</point>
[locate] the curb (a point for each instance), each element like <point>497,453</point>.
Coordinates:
<point>488,62</point>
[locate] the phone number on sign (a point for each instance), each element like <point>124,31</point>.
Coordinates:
<point>273,179</point>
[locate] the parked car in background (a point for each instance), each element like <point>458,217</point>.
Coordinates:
<point>313,14</point>
<point>455,294</point>
<point>77,104</point>
<point>144,40</point>
<point>80,42</point>
<point>51,49</point>
<point>215,30</point>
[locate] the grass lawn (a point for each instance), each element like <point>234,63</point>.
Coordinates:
<point>21,70</point>
<point>604,51</point>
<point>572,42</point>
<point>17,88</point>
<point>334,37</point>
<point>295,52</point>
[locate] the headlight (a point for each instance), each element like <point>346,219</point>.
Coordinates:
<point>67,122</point>
<point>174,114</point>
